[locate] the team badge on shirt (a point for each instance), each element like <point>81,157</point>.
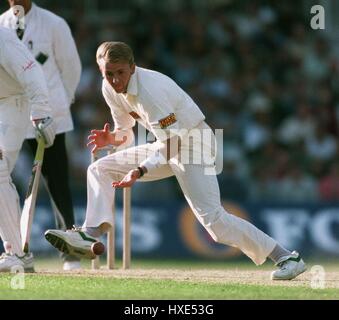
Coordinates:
<point>169,120</point>
<point>134,115</point>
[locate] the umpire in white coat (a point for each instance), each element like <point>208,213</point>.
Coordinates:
<point>23,97</point>
<point>49,39</point>
<point>158,103</point>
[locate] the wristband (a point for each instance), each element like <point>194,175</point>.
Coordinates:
<point>141,172</point>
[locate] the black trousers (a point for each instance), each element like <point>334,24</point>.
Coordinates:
<point>56,174</point>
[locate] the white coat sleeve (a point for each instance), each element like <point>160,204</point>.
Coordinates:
<point>16,59</point>
<point>66,57</point>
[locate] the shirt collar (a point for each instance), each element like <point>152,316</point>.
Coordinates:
<point>28,15</point>
<point>132,88</point>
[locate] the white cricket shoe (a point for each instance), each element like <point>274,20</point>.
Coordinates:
<point>289,267</point>
<point>14,263</point>
<point>71,265</point>
<point>75,242</point>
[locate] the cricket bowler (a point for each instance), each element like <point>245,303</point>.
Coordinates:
<point>159,104</point>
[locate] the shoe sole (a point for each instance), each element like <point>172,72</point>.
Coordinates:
<point>63,246</point>
<point>290,278</point>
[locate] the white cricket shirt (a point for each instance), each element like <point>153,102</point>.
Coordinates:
<point>154,100</point>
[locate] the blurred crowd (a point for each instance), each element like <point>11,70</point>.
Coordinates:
<point>256,69</point>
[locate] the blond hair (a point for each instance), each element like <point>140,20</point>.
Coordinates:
<point>114,52</point>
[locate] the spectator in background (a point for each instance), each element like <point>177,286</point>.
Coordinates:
<point>49,39</point>
<point>252,44</point>
<point>329,184</point>
<point>232,185</point>
<point>297,187</point>
<point>316,60</point>
<point>298,126</point>
<point>257,132</point>
<point>322,145</point>
<point>234,177</point>
<point>262,186</point>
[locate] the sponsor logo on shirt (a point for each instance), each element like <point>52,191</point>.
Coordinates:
<point>134,115</point>
<point>169,120</point>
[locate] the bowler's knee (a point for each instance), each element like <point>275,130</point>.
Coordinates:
<point>92,169</point>
<point>101,168</point>
<point>208,216</point>
<point>214,223</point>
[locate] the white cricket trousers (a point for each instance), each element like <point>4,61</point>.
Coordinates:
<point>201,192</point>
<point>14,120</point>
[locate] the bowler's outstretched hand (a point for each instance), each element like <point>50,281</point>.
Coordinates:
<point>102,138</point>
<point>128,180</point>
<point>99,138</point>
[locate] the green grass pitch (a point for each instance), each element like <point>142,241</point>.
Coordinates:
<point>155,279</point>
